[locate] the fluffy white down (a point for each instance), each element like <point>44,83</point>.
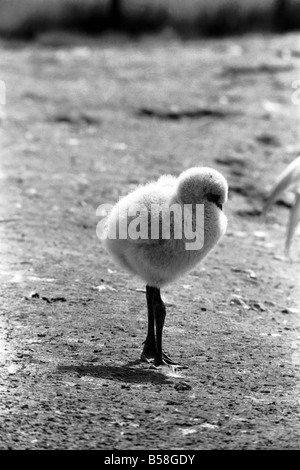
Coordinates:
<point>161,261</point>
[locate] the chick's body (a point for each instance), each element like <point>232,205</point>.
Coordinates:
<point>160,260</point>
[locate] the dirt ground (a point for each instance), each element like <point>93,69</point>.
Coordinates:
<point>86,121</point>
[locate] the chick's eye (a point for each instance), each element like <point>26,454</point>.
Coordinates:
<point>213,198</point>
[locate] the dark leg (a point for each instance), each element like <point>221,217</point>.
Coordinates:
<point>149,350</point>
<point>156,318</point>
<point>159,310</point>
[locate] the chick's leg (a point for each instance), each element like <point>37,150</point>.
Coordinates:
<point>159,310</point>
<point>149,349</point>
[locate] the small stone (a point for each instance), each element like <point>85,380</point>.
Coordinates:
<point>290,311</point>
<point>181,386</point>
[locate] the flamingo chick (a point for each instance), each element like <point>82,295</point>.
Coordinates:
<point>159,259</point>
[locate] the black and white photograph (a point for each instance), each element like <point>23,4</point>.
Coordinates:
<point>149,227</point>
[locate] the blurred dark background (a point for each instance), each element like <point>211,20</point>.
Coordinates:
<point>189,18</point>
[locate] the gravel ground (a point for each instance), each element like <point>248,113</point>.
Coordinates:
<point>86,121</point>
